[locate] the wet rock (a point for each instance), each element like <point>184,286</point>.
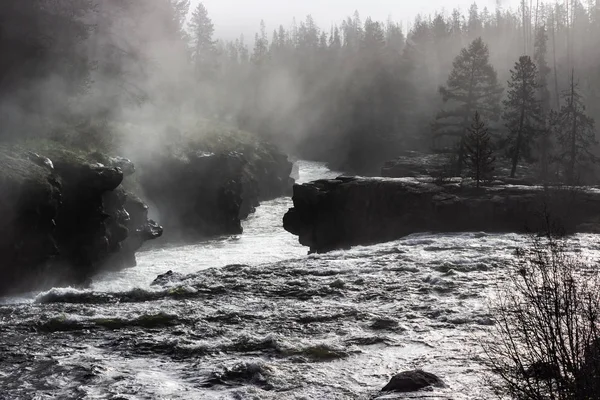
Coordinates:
<point>167,278</point>
<point>338,284</point>
<point>412,381</point>
<point>200,194</point>
<point>384,324</point>
<point>124,164</point>
<point>40,160</point>
<point>349,211</point>
<point>243,373</point>
<point>197,195</point>
<point>66,218</point>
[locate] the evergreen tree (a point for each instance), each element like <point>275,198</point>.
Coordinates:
<point>261,45</point>
<point>575,132</point>
<point>522,111</point>
<point>41,39</point>
<point>539,57</point>
<point>474,25</point>
<point>203,45</point>
<point>479,158</point>
<point>472,85</point>
<point>545,134</point>
<point>180,11</point>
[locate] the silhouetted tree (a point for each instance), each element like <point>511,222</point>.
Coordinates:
<point>545,134</point>
<point>42,41</point>
<point>575,132</point>
<point>261,45</point>
<point>479,157</point>
<point>202,43</point>
<point>545,343</point>
<point>522,111</point>
<point>472,85</point>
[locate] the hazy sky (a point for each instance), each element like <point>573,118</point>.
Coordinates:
<point>232,17</point>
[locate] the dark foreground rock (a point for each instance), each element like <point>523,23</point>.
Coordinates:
<point>64,218</point>
<point>340,213</point>
<point>412,381</point>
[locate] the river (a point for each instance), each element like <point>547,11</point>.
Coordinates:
<point>254,317</point>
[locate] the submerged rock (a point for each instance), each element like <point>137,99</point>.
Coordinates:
<point>65,219</point>
<point>167,278</point>
<point>349,211</point>
<point>412,381</point>
<point>243,373</point>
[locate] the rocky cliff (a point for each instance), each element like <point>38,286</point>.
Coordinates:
<point>65,217</point>
<point>203,187</point>
<point>339,213</point>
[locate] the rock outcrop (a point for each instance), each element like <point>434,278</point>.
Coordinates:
<point>348,211</point>
<point>64,219</point>
<point>203,191</point>
<point>199,194</point>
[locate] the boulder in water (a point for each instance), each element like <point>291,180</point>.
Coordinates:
<point>412,381</point>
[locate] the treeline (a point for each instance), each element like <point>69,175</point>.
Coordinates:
<point>98,73</point>
<point>359,92</point>
<point>353,94</point>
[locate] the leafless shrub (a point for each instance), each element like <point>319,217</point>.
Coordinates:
<point>546,340</point>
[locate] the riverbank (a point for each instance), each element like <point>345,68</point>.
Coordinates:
<point>350,211</point>
<point>73,212</point>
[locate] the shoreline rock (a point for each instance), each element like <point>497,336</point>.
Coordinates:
<point>66,218</point>
<point>207,190</point>
<point>350,211</point>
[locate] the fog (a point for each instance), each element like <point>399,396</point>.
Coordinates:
<point>233,17</point>
<point>349,83</point>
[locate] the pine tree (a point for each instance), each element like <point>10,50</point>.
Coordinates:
<point>261,45</point>
<point>203,45</point>
<point>545,134</point>
<point>180,9</point>
<point>472,85</point>
<point>575,132</point>
<point>474,25</point>
<point>479,158</point>
<point>539,57</point>
<point>522,111</point>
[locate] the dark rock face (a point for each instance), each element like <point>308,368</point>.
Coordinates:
<point>203,194</point>
<point>412,381</point>
<point>339,213</point>
<point>273,175</point>
<point>199,195</point>
<point>65,220</point>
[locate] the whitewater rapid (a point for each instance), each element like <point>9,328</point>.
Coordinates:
<point>255,317</point>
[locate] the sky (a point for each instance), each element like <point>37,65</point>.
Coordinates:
<point>234,17</point>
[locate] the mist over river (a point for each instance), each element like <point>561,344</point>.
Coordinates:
<point>255,317</point>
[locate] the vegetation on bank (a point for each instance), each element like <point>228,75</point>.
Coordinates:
<point>545,343</point>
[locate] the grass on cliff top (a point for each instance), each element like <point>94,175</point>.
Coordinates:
<point>218,137</point>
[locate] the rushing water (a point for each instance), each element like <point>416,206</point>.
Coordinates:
<point>254,317</point>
